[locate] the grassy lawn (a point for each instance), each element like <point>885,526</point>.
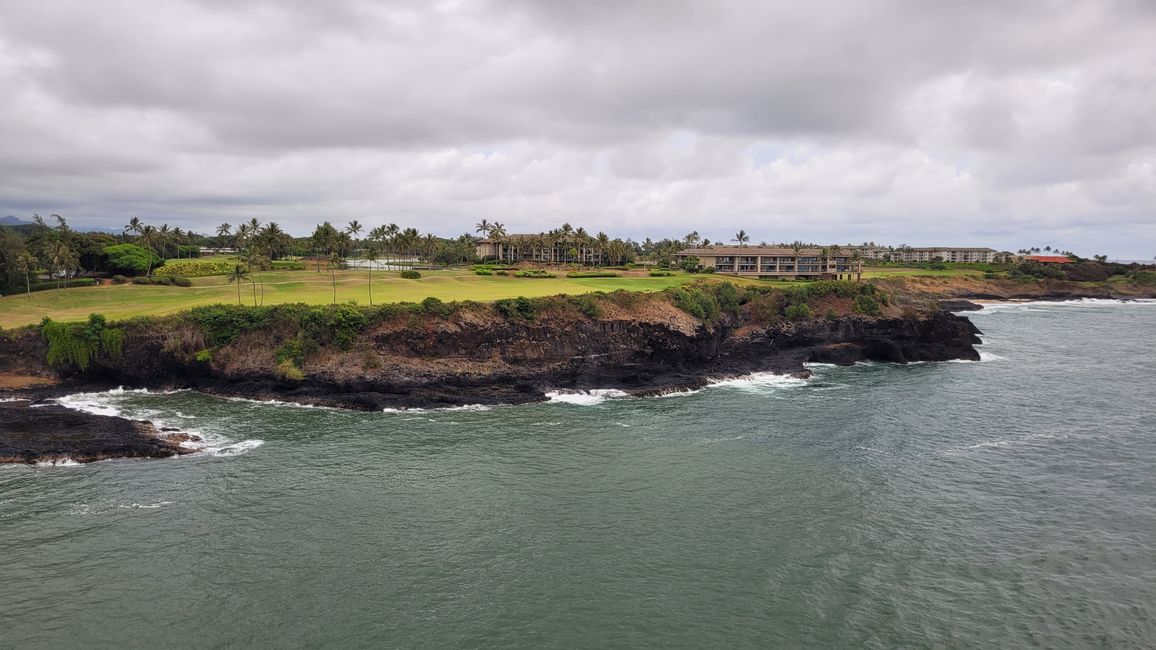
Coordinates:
<point>127,300</point>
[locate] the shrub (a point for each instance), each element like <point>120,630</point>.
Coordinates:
<point>61,284</point>
<point>288,265</point>
<point>287,371</point>
<point>204,356</point>
<point>435,307</point>
<point>866,304</point>
<point>798,311</point>
<point>222,324</point>
<point>483,272</point>
<point>336,324</point>
<point>119,279</point>
<point>78,344</point>
<point>696,301</point>
<point>661,274</point>
<point>588,305</point>
<point>502,272</point>
<point>534,273</point>
<point>593,274</point>
<point>516,308</point>
<point>197,268</point>
<point>182,281</point>
<point>410,275</point>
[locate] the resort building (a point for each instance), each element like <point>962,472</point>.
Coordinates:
<point>933,254</point>
<point>541,248</point>
<point>774,262</point>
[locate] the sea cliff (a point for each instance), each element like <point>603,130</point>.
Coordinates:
<point>441,355</point>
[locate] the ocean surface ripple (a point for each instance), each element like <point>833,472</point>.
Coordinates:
<point>1005,503</point>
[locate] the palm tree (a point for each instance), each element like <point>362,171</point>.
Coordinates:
<point>371,253</point>
<point>483,228</point>
<point>149,237</point>
<point>855,258</point>
<point>353,230</point>
<point>742,238</point>
<point>26,264</point>
<point>134,226</point>
<point>60,258</point>
<point>239,275</point>
<point>223,232</point>
<point>334,262</point>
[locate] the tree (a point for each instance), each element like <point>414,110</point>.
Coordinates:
<point>239,275</point>
<point>371,253</point>
<point>60,259</point>
<point>334,262</point>
<point>483,228</point>
<point>742,238</point>
<point>26,264</point>
<point>129,259</point>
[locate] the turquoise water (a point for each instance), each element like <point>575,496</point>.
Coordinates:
<point>1009,502</point>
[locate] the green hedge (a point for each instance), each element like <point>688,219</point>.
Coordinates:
<point>56,284</point>
<point>593,274</point>
<point>410,275</point>
<point>196,268</point>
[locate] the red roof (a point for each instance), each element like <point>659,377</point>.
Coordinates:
<point>1049,259</point>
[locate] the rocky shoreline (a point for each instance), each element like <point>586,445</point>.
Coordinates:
<point>515,363</point>
<point>35,432</point>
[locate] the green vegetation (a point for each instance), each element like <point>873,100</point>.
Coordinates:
<point>130,259</point>
<point>534,273</point>
<point>593,274</point>
<point>77,344</point>
<point>661,274</point>
<point>410,275</point>
<point>198,268</point>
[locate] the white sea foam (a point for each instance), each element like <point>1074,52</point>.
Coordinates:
<point>984,357</point>
<point>234,449</point>
<point>1036,305</point>
<point>95,403</point>
<point>63,461</point>
<point>146,506</point>
<point>758,382</point>
<point>12,399</point>
<point>464,407</point>
<point>584,397</point>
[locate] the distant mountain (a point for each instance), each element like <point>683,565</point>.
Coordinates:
<point>13,221</point>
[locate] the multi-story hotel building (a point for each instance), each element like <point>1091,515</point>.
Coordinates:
<point>773,262</point>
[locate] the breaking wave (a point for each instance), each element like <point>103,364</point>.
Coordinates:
<point>584,397</point>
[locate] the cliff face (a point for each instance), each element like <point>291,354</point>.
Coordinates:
<point>913,289</point>
<point>475,356</point>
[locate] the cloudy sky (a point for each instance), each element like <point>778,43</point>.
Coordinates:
<point>988,122</point>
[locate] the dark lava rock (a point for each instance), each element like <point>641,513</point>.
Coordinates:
<point>31,433</point>
<point>959,305</point>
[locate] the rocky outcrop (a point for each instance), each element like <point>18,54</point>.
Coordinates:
<point>50,433</point>
<point>475,357</point>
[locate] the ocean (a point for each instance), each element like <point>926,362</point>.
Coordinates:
<point>1008,502</point>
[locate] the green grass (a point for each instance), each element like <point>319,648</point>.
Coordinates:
<point>117,302</point>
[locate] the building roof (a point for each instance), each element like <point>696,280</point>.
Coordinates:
<point>730,251</point>
<point>1049,259</point>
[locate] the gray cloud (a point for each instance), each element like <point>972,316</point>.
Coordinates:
<point>1000,123</point>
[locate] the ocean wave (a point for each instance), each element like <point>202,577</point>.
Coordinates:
<point>1034,305</point>
<point>758,381</point>
<point>234,449</point>
<point>446,409</point>
<point>584,397</point>
<point>984,357</point>
<point>63,461</point>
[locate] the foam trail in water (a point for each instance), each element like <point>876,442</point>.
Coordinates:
<point>585,397</point>
<point>759,381</point>
<point>464,407</point>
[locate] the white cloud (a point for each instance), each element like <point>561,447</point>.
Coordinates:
<point>999,123</point>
